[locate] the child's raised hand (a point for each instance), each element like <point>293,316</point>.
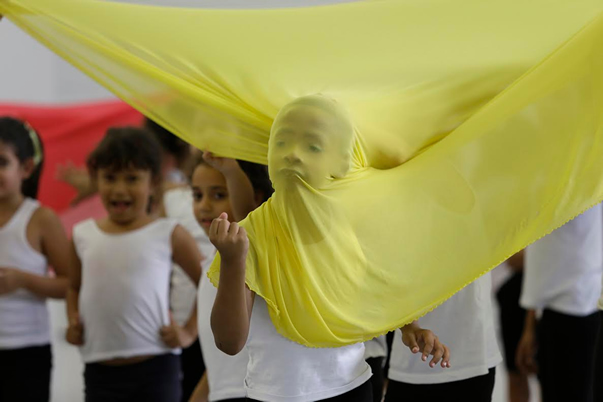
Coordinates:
<point>10,280</point>
<point>75,331</point>
<point>175,336</point>
<point>426,342</point>
<point>229,238</point>
<point>224,165</point>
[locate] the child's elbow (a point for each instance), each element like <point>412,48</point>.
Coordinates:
<point>230,348</point>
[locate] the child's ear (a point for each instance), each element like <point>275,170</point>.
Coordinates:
<point>27,168</point>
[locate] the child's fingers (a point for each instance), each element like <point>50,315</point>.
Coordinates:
<point>411,341</point>
<point>233,229</point>
<point>429,345</point>
<point>446,357</point>
<point>438,352</point>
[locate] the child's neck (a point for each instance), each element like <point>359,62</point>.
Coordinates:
<point>112,226</point>
<point>8,206</point>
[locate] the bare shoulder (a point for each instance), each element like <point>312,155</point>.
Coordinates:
<point>45,217</point>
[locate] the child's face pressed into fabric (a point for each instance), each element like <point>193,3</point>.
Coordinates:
<point>307,142</point>
<point>210,195</point>
<point>125,193</point>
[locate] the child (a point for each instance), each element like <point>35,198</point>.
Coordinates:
<point>223,186</point>
<point>31,239</point>
<point>118,300</point>
<point>466,322</point>
<point>562,278</point>
<point>303,145</point>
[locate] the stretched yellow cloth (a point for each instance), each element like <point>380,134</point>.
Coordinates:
<point>478,128</point>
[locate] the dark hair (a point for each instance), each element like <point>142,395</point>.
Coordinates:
<point>257,174</point>
<point>27,145</point>
<point>126,148</point>
<point>169,142</point>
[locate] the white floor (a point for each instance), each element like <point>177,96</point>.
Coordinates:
<point>67,385</point>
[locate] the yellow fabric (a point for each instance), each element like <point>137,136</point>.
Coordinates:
<point>478,129</point>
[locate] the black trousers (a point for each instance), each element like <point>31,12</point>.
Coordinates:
<point>153,380</point>
<point>512,317</point>
<point>566,355</point>
<point>598,380</point>
<point>25,374</point>
<point>476,389</point>
<point>376,364</point>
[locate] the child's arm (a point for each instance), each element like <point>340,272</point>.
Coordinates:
<point>231,313</point>
<point>55,247</point>
<point>240,190</point>
<point>423,340</point>
<point>201,392</point>
<point>75,330</point>
<point>186,254</point>
<point>526,349</point>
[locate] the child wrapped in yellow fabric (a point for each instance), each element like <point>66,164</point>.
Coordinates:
<point>484,120</point>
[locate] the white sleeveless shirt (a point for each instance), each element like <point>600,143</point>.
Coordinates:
<point>124,297</point>
<point>24,319</point>
<point>225,374</point>
<point>465,324</point>
<point>282,370</point>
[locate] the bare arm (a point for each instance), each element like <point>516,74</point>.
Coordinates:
<point>186,254</point>
<point>516,261</point>
<point>231,313</point>
<point>54,245</point>
<point>201,393</point>
<point>239,186</point>
<point>75,330</point>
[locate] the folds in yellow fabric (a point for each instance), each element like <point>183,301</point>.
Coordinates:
<point>479,129</point>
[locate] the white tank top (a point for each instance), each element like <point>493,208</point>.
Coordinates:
<point>24,319</point>
<point>178,205</point>
<point>225,374</point>
<point>282,370</point>
<point>125,289</point>
<point>465,324</point>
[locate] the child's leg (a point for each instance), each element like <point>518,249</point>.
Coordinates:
<point>566,356</point>
<point>476,389</point>
<point>363,393</point>
<point>193,368</point>
<point>25,374</point>
<point>376,364</point>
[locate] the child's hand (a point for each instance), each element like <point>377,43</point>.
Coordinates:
<point>525,358</point>
<point>224,165</point>
<point>75,331</point>
<point>426,342</point>
<point>10,280</point>
<point>229,238</point>
<point>176,336</point>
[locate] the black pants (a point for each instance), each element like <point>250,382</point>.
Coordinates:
<point>363,393</point>
<point>376,364</point>
<point>25,374</point>
<point>476,389</point>
<point>153,380</point>
<point>193,367</point>
<point>512,318</point>
<point>598,380</point>
<point>566,354</point>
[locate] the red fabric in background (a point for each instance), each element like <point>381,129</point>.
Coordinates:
<point>69,133</point>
